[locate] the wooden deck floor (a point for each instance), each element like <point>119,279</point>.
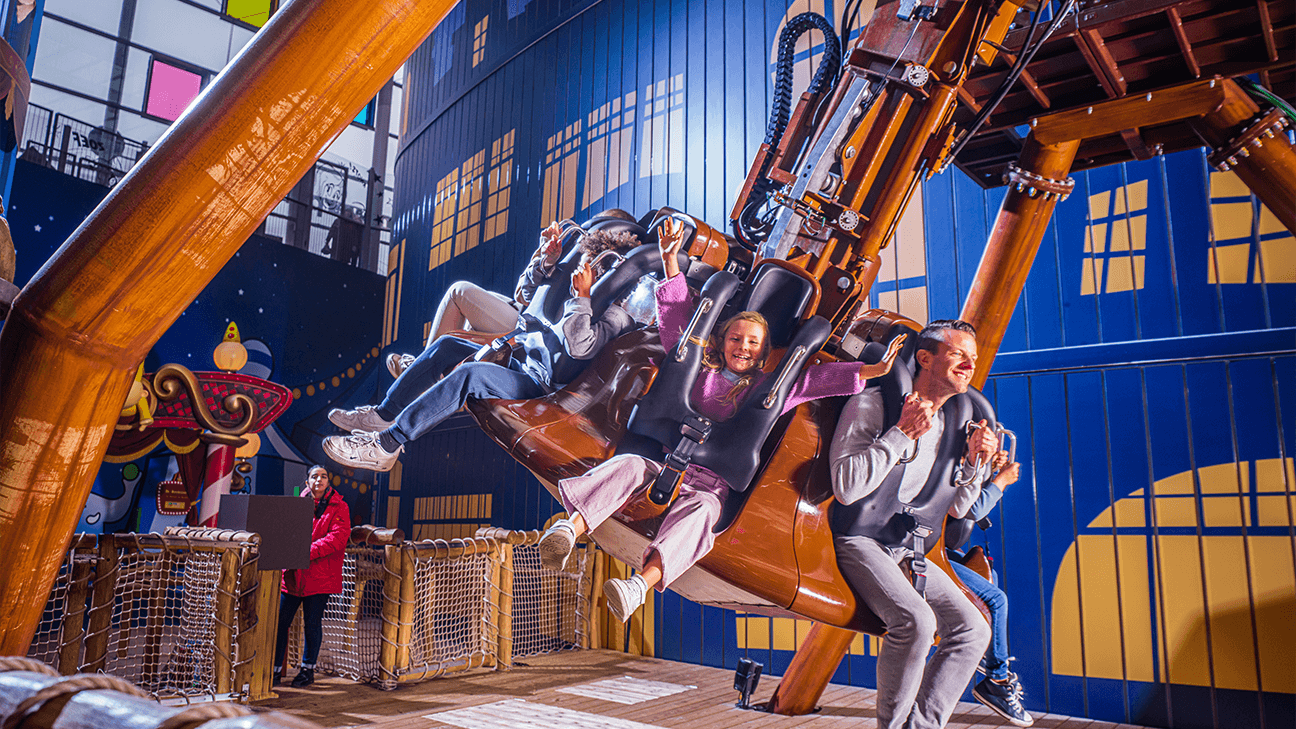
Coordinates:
<point>565,689</point>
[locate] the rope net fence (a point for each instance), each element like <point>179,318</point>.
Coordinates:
<point>187,615</point>
<point>159,610</point>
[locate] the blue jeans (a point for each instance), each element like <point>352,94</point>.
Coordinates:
<point>996,655</point>
<point>312,624</point>
<point>442,354</point>
<point>474,379</point>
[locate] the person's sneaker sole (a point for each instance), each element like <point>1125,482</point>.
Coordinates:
<point>619,599</point>
<point>989,704</point>
<point>352,420</point>
<point>397,363</point>
<point>555,548</point>
<point>335,448</point>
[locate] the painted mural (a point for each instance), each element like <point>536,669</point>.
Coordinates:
<point>1148,549</point>
<point>308,323</point>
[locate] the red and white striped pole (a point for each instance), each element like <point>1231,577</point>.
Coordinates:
<point>218,476</point>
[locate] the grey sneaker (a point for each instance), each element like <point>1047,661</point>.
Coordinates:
<point>556,545</point>
<point>625,596</point>
<point>365,418</point>
<point>361,450</point>
<point>398,363</point>
<point>1004,699</point>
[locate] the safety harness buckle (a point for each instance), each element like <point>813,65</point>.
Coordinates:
<point>694,431</point>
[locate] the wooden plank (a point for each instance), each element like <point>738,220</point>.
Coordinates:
<point>336,702</point>
<point>1111,117</point>
<point>1185,47</point>
<point>1267,30</point>
<point>1102,63</point>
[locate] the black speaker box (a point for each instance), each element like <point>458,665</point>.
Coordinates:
<point>284,523</point>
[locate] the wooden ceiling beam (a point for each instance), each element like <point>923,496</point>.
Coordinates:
<point>1266,30</point>
<point>1099,58</point>
<point>1185,47</point>
<point>1138,110</point>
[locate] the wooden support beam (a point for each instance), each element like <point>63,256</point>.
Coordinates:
<point>815,662</point>
<point>1101,62</point>
<point>1014,240</point>
<point>1130,112</point>
<point>1185,47</point>
<point>966,99</point>
<point>1267,30</point>
<point>1137,146</point>
<point>1028,81</point>
<point>1255,147</point>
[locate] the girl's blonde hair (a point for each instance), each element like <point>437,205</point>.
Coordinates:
<point>713,357</point>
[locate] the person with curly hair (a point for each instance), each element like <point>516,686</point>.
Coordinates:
<point>417,402</point>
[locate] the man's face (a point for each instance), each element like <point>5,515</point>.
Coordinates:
<point>954,362</point>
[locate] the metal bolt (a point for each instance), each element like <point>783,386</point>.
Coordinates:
<point>1090,110</point>
<point>849,153</point>
<point>1149,96</point>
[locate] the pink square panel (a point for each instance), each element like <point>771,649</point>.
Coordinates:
<point>170,90</point>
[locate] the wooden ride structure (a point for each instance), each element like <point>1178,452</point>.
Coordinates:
<point>916,93</point>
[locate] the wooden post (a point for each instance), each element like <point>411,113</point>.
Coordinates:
<point>263,634</point>
<point>590,637</point>
<point>388,650</point>
<point>405,622</point>
<point>74,610</point>
<point>248,621</point>
<point>79,329</point>
<point>505,617</point>
<point>815,662</point>
<point>1036,184</point>
<point>101,605</point>
<point>226,618</point>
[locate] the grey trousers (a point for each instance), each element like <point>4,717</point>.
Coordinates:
<point>914,693</point>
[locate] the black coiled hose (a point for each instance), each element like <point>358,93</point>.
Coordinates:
<point>749,229</point>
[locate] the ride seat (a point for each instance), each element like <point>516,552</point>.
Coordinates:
<point>665,421</point>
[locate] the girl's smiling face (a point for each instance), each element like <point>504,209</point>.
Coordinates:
<point>743,344</point>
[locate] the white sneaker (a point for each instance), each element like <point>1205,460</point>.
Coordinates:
<point>365,418</point>
<point>398,363</point>
<point>625,596</point>
<point>361,450</point>
<point>556,545</point>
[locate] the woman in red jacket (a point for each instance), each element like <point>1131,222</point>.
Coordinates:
<point>311,587</point>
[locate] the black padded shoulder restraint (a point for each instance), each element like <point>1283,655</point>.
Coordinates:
<point>665,420</point>
<point>537,332</point>
<point>882,515</point>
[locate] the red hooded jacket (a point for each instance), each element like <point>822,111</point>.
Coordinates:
<point>329,534</point>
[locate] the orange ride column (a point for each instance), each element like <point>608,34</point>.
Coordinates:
<point>78,331</point>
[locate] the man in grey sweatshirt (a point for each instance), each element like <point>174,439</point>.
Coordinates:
<point>884,501</point>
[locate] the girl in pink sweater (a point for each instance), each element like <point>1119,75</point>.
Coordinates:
<point>732,366</point>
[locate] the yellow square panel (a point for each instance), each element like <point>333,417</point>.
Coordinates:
<point>1225,478</point>
<point>1277,262</point>
<point>1275,510</point>
<point>1129,513</point>
<point>1231,220</point>
<point>1090,275</point>
<point>1224,511</point>
<point>1227,184</point>
<point>1269,222</point>
<point>1100,204</point>
<point>1270,477</point>
<point>1175,511</point>
<point>1227,264</point>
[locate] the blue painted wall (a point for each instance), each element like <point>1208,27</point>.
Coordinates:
<point>1148,370</point>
